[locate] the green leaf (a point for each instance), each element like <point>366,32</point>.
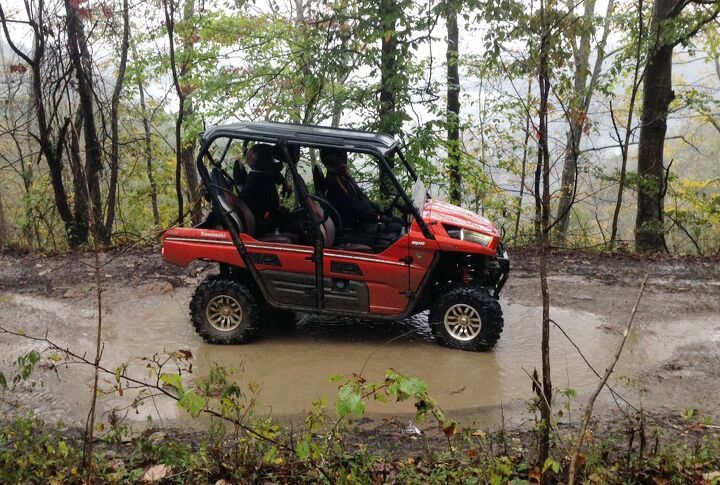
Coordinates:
<point>413,386</point>
<point>63,447</point>
<point>550,463</point>
<point>270,455</point>
<point>3,381</point>
<point>349,401</point>
<point>233,390</point>
<point>192,403</point>
<point>303,449</point>
<point>172,380</point>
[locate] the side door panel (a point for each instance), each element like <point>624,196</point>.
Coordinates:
<point>422,252</point>
<point>287,271</point>
<point>385,276</point>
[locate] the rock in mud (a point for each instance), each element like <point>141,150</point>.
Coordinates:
<point>155,288</point>
<point>75,292</point>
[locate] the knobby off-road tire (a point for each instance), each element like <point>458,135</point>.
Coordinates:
<point>224,311</point>
<point>466,318</point>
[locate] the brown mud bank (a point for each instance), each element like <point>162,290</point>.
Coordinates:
<point>670,361</point>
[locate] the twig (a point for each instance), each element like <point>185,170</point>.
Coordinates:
<point>601,384</point>
<point>160,390</point>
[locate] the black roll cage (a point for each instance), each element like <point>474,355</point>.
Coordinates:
<point>299,183</point>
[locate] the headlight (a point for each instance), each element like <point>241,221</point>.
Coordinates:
<point>475,237</point>
<point>468,235</point>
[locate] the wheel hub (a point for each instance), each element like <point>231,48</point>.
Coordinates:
<point>224,313</point>
<point>462,322</point>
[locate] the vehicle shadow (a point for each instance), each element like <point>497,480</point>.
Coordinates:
<point>413,329</point>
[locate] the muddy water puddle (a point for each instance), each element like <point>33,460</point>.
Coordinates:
<point>292,367</point>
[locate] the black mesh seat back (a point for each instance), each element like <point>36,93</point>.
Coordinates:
<point>319,181</point>
<point>237,210</point>
<point>239,175</point>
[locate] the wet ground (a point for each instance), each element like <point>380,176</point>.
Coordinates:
<point>671,360</point>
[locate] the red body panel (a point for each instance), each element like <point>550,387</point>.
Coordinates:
<point>387,275</point>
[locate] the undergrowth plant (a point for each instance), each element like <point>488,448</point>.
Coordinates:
<point>241,446</point>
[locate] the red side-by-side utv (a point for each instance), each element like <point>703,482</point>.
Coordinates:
<point>421,254</point>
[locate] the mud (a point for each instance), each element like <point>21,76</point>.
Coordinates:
<point>670,361</point>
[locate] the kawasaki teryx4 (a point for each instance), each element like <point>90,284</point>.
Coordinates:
<point>421,253</point>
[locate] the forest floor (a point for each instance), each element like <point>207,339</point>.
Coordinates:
<point>669,370</point>
<point>669,365</point>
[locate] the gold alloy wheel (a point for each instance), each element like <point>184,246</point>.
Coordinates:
<point>462,322</point>
<point>224,313</point>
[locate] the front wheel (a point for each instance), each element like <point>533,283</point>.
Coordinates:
<point>466,318</point>
<point>224,311</point>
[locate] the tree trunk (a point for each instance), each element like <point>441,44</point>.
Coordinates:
<point>625,144</point>
<point>81,208</point>
<point>148,154</point>
<point>523,167</point>
<point>169,8</point>
<point>453,103</point>
<point>52,153</point>
<point>657,95</point>
<point>576,119</point>
<point>114,137</point>
<point>187,150</point>
<point>187,155</point>
<point>569,179</point>
<point>80,58</point>
<point>538,200</point>
<point>3,223</point>
<point>579,106</point>
<point>388,118</point>
<point>545,392</point>
<point>342,73</point>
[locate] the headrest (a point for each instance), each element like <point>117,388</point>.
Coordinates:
<point>293,150</point>
<point>260,157</point>
<point>332,158</point>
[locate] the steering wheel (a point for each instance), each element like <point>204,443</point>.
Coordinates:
<point>394,205</point>
<point>327,209</point>
<point>228,178</point>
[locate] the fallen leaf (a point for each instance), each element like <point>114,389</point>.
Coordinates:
<point>449,428</point>
<point>155,473</point>
<point>534,475</point>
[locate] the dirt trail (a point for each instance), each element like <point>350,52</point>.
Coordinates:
<point>670,361</point>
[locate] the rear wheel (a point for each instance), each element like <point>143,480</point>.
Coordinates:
<point>224,311</point>
<point>466,318</point>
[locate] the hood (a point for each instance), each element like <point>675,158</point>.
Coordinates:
<point>453,215</point>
